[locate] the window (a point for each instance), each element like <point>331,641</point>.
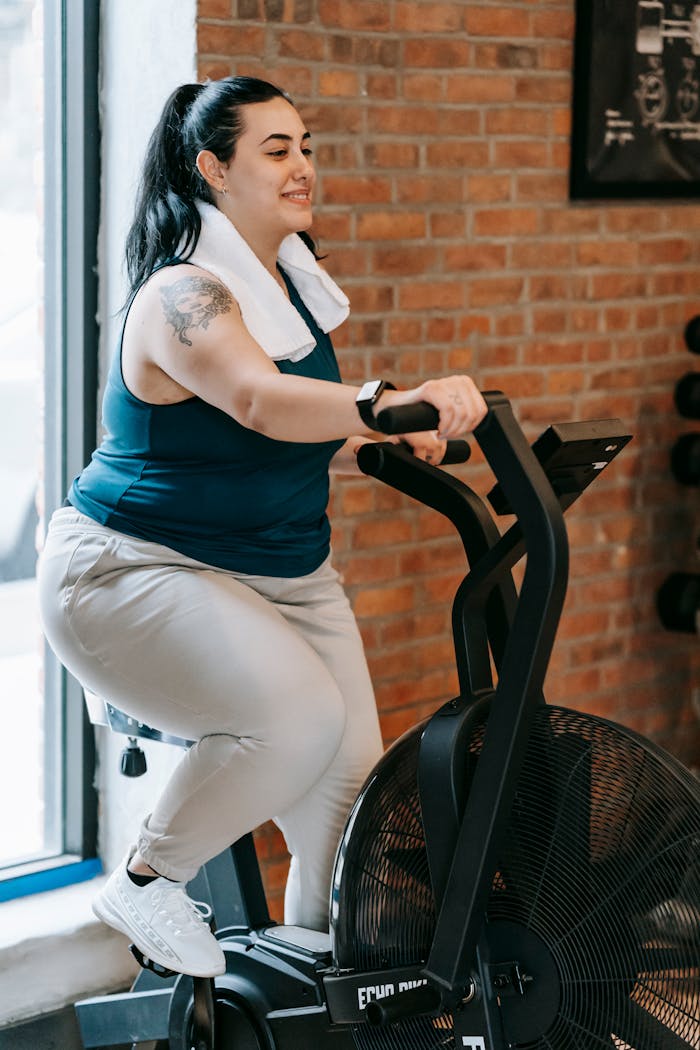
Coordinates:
<point>49,186</point>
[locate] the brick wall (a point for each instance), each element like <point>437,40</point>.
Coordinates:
<point>441,133</point>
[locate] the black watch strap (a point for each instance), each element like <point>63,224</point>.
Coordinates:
<point>367,399</point>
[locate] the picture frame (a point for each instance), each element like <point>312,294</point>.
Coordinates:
<point>636,99</point>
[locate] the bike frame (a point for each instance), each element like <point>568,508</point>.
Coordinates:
<point>492,623</point>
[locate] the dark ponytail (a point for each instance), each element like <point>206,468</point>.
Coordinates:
<point>166,224</point>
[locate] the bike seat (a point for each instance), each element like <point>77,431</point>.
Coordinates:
<point>102,713</point>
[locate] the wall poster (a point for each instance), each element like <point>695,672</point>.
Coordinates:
<point>636,106</point>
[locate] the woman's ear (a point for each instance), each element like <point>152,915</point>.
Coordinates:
<point>211,169</point>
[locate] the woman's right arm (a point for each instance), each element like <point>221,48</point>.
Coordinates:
<point>198,339</point>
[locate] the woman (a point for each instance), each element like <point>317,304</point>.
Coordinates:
<point>188,579</point>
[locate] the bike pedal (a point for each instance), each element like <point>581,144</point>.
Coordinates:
<point>149,964</point>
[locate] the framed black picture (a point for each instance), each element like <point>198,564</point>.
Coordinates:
<point>636,102</point>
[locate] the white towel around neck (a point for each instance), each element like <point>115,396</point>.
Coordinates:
<point>267,313</point>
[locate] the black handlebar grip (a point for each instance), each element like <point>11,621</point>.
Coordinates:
<point>456,452</point>
<point>422,1000</point>
<point>408,419</point>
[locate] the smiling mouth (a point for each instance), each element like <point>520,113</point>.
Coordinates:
<point>300,198</point>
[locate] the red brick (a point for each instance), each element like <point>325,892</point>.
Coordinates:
<point>382,226</point>
<point>436,54</point>
<point>445,295</point>
<point>229,40</point>
<point>517,120</point>
<point>447,224</point>
<point>633,219</point>
<point>391,154</point>
<point>416,189</point>
<point>403,261</point>
<point>611,253</point>
<point>370,298</point>
<point>422,16</point>
<point>501,21</point>
<point>214,9</point>
<point>425,87</point>
<point>296,43</point>
<point>515,384</point>
<point>495,290</point>
<point>666,250</point>
<point>382,85</point>
<point>383,601</point>
<point>350,189</point>
<point>481,89</point>
<point>542,188</point>
<point>380,533</point>
<point>360,15</point>
<point>404,330</point>
<point>618,286</point>
<point>475,257</point>
<point>540,255</point>
<point>546,88</point>
<point>553,56</point>
<point>332,226</point>
<point>440,329</point>
<point>357,498</point>
<point>506,222</point>
<point>549,320</point>
<point>505,56</point>
<point>323,117</point>
<point>340,82</point>
<point>214,69</point>
<point>553,24</point>
<point>484,189</point>
<point>458,153</point>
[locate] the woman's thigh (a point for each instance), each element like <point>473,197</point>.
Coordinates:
<point>188,649</point>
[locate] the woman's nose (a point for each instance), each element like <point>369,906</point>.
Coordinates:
<point>304,168</point>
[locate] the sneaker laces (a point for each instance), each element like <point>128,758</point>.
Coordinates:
<point>180,911</point>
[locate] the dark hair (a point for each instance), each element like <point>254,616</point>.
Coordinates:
<point>166,224</point>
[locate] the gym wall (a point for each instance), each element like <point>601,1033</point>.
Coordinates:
<point>441,134</point>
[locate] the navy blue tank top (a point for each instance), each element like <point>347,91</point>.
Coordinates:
<point>188,476</point>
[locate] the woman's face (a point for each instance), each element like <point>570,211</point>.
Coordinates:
<point>270,179</point>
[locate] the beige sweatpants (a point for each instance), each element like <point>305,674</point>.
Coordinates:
<point>266,674</point>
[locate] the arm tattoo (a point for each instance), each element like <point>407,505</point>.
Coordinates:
<point>193,302</point>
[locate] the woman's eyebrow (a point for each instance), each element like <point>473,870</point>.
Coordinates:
<point>285,138</point>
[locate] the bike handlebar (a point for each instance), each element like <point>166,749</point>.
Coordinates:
<point>410,419</point>
<point>456,452</point>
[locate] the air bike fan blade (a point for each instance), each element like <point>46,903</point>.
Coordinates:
<point>597,891</point>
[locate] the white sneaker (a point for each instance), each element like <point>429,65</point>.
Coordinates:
<point>164,923</point>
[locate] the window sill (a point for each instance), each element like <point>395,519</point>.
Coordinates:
<point>54,951</point>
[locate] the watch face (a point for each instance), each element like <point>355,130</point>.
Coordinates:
<point>369,390</point>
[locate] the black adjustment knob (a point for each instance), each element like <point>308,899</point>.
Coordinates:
<point>678,601</point>
<point>687,395</point>
<point>685,459</point>
<point>133,760</point>
<point>692,335</point>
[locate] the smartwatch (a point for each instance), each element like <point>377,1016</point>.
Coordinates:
<point>367,399</point>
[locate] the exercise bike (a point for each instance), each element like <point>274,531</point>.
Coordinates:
<point>512,874</point>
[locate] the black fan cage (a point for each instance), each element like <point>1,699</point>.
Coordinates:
<point>600,868</point>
